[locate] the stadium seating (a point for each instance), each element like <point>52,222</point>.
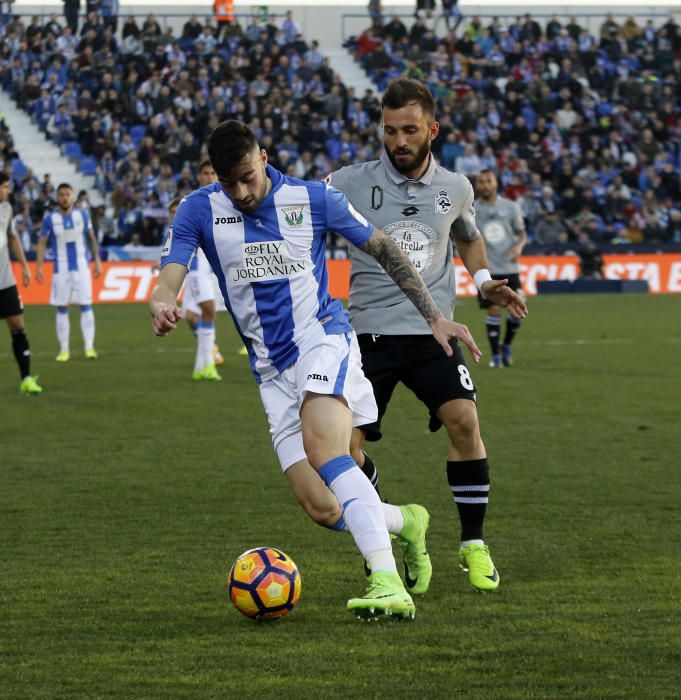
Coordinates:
<point>72,150</point>
<point>600,134</point>
<point>88,166</point>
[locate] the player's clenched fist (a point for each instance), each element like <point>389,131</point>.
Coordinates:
<point>165,320</point>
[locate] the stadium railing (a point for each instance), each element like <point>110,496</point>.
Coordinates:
<point>354,23</point>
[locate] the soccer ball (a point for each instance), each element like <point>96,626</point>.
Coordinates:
<point>264,583</point>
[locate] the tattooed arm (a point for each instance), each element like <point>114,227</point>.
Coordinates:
<point>398,266</point>
<point>395,262</point>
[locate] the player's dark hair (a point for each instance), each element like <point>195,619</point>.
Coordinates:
<point>64,185</point>
<point>205,164</point>
<point>403,91</point>
<point>174,203</point>
<point>4,177</point>
<point>228,144</point>
<point>487,171</point>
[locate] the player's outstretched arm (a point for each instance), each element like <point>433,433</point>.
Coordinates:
<point>398,266</point>
<point>163,301</point>
<point>474,258</point>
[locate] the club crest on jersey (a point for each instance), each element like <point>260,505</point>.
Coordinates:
<point>442,202</point>
<point>293,216</point>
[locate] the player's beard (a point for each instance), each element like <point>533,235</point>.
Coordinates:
<point>411,164</point>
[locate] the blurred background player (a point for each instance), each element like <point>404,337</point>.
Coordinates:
<point>423,207</point>
<point>199,300</point>
<point>69,231</point>
<point>11,308</point>
<point>501,223</point>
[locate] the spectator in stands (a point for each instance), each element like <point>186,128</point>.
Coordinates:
<point>290,27</point>
<point>71,10</point>
<point>223,11</point>
<point>131,222</point>
<point>150,27</point>
<point>425,6</point>
<point>60,126</point>
<point>192,28</point>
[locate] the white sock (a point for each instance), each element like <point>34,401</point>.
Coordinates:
<point>381,560</point>
<point>465,543</point>
<point>63,331</point>
<point>87,327</point>
<point>394,520</point>
<point>362,510</point>
<point>205,340</point>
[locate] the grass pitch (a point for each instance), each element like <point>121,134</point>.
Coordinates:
<point>126,491</point>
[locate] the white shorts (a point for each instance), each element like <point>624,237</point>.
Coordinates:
<point>71,287</point>
<point>200,285</point>
<point>330,365</point>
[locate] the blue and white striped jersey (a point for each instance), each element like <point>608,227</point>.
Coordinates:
<point>271,263</point>
<point>67,234</point>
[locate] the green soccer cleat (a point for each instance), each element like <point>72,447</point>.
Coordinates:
<point>29,385</point>
<point>482,574</point>
<point>91,354</point>
<point>417,567</point>
<point>207,374</point>
<point>243,351</point>
<point>385,597</point>
<point>63,357</point>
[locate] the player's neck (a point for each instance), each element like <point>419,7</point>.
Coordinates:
<point>67,211</point>
<point>420,171</point>
<point>491,199</point>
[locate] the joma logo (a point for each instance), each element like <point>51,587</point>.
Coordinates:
<point>318,377</point>
<point>227,220</point>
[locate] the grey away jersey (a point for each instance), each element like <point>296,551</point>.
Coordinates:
<point>501,224</point>
<point>419,215</point>
<point>6,275</point>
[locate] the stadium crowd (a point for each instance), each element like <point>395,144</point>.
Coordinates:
<point>584,131</point>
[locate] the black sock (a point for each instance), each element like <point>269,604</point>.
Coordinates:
<point>22,352</point>
<point>469,480</point>
<point>493,329</point>
<point>370,471</point>
<point>512,325</point>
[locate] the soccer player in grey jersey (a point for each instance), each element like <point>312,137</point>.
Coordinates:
<point>425,208</point>
<point>501,223</point>
<point>11,308</point>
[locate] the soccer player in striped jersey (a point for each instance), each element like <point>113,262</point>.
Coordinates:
<point>69,231</point>
<point>200,310</point>
<point>264,235</point>
<point>11,308</point>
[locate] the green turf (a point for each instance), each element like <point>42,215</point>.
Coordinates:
<point>126,491</point>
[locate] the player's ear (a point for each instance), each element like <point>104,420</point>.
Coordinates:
<point>263,156</point>
<point>434,130</point>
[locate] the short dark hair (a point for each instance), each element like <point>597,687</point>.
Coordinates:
<point>205,163</point>
<point>174,203</point>
<point>64,185</point>
<point>4,177</point>
<point>228,144</point>
<point>403,91</point>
